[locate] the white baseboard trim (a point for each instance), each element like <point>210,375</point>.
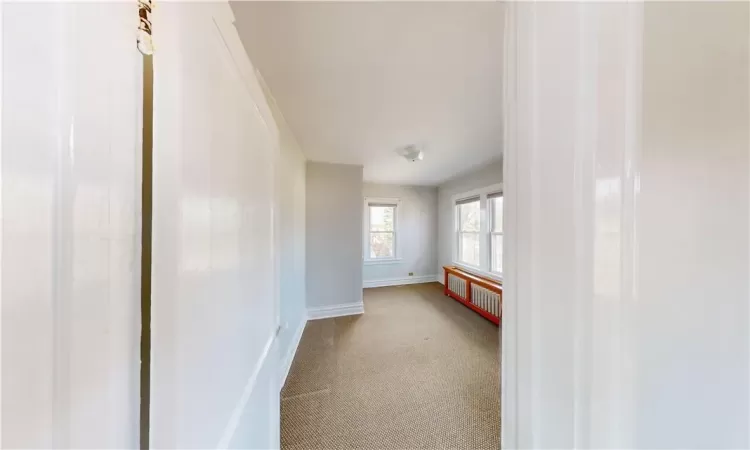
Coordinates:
<point>326,312</point>
<point>286,363</point>
<point>400,281</point>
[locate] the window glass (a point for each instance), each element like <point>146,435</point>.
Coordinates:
<point>381,245</point>
<point>381,237</point>
<point>469,216</point>
<point>469,248</point>
<point>469,227</point>
<point>497,253</point>
<point>496,207</point>
<point>381,218</point>
<point>496,233</point>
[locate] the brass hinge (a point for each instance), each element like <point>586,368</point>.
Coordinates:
<point>145,44</point>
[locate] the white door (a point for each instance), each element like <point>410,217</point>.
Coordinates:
<point>626,174</point>
<point>214,299</point>
<point>70,253</point>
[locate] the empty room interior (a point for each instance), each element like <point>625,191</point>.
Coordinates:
<point>393,151</point>
<point>374,225</point>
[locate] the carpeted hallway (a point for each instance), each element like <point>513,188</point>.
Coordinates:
<point>417,370</point>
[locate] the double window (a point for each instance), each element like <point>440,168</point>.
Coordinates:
<point>381,230</point>
<point>479,230</point>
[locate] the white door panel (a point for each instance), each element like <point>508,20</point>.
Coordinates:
<point>626,176</point>
<point>71,177</point>
<point>214,300</point>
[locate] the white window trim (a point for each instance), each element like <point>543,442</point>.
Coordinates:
<point>396,259</point>
<point>484,232</point>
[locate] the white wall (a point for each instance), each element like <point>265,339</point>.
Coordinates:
<point>334,235</point>
<point>291,183</point>
<point>70,177</point>
<point>476,179</point>
<point>214,380</point>
<point>417,234</point>
<point>692,258</point>
<point>626,224</point>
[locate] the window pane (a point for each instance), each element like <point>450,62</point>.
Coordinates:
<point>496,252</point>
<point>381,218</point>
<point>468,216</point>
<point>381,245</point>
<point>468,248</point>
<point>496,206</point>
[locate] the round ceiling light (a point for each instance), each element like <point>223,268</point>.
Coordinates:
<point>411,153</point>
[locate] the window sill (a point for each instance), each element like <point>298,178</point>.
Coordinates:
<point>374,262</point>
<point>479,272</point>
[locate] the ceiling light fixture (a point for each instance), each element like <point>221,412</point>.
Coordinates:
<point>411,153</point>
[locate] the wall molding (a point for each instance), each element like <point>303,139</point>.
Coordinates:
<point>401,281</point>
<point>239,408</point>
<point>286,363</point>
<point>326,312</point>
<point>224,21</point>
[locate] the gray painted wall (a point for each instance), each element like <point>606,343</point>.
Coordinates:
<point>482,177</point>
<point>416,228</point>
<point>334,234</point>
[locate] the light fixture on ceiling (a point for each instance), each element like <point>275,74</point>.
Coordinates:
<point>411,153</point>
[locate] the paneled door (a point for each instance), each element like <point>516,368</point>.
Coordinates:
<point>70,183</point>
<point>214,301</point>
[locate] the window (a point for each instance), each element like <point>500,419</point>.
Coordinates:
<point>496,232</point>
<point>467,213</point>
<point>479,231</point>
<point>381,219</point>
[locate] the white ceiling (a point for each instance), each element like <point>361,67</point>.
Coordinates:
<point>357,80</point>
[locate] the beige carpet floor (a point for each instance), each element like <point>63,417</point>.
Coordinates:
<point>417,370</point>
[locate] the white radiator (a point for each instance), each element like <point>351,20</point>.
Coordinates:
<point>485,299</point>
<point>457,285</point>
<point>482,298</point>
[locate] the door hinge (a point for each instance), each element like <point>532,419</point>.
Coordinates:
<point>144,42</point>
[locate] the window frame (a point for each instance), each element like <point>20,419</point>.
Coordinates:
<point>485,234</point>
<point>379,201</point>
<point>490,223</point>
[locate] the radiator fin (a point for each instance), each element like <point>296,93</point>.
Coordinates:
<point>485,299</point>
